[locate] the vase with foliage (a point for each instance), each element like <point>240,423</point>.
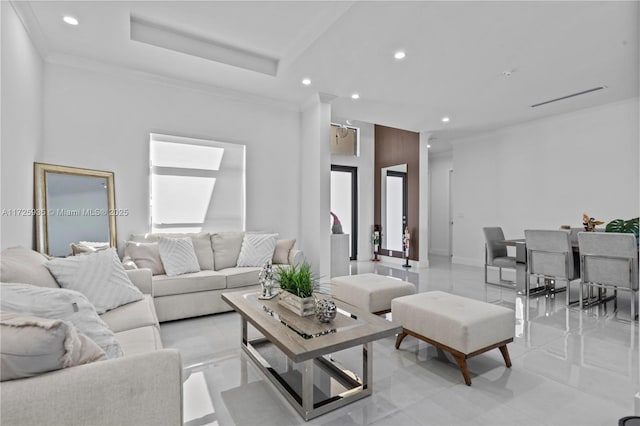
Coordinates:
<point>629,226</point>
<point>590,223</point>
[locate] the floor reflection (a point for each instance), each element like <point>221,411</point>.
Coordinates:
<point>570,366</point>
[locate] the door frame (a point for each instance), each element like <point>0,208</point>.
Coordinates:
<point>354,205</point>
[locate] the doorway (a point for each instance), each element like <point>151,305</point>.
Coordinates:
<point>344,202</point>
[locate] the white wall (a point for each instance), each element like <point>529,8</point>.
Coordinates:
<point>546,173</point>
<point>102,121</point>
<point>364,163</point>
<point>439,166</point>
<point>21,135</point>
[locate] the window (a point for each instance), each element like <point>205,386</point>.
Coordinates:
<point>196,185</point>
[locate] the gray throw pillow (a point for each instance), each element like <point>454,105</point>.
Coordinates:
<point>281,253</point>
<point>31,345</point>
<point>145,255</point>
<point>226,249</point>
<point>59,303</point>
<point>22,265</point>
<point>178,256</point>
<point>100,276</point>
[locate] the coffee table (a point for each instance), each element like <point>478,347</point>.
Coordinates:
<point>311,379</point>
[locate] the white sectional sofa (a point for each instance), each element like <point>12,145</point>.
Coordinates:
<point>198,293</point>
<point>144,386</point>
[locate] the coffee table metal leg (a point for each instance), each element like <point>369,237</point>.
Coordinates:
<point>307,388</point>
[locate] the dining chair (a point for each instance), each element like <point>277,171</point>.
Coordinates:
<point>495,254</point>
<point>609,260</point>
<point>550,257</point>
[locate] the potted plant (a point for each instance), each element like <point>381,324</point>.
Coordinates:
<point>625,226</point>
<point>297,284</point>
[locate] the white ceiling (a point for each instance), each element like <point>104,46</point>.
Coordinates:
<point>456,53</point>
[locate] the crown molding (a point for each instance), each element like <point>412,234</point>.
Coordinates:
<point>32,26</point>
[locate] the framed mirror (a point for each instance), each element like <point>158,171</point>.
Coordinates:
<point>393,207</point>
<point>72,205</point>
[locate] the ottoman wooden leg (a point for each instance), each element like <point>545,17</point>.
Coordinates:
<point>462,363</point>
<point>505,355</point>
<point>399,339</point>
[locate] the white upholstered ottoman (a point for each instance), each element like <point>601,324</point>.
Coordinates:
<point>461,326</point>
<point>370,292</point>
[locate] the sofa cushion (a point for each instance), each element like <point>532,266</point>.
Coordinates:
<point>281,253</point>
<point>257,249</point>
<point>164,285</point>
<point>178,256</point>
<point>241,276</point>
<point>132,315</point>
<point>21,265</point>
<point>100,276</point>
<point>139,340</point>
<point>226,249</point>
<point>31,345</point>
<point>145,255</point>
<point>201,245</point>
<point>60,303</point>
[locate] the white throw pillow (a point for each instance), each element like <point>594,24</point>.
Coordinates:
<point>31,345</point>
<point>59,303</point>
<point>178,256</point>
<point>257,249</point>
<point>100,276</point>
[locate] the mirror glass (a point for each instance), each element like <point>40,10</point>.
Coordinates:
<point>72,205</point>
<point>393,206</point>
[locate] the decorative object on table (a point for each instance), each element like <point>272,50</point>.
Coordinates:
<point>297,284</point>
<point>590,223</point>
<point>376,242</point>
<point>406,239</point>
<point>337,226</point>
<point>325,310</point>
<point>267,282</point>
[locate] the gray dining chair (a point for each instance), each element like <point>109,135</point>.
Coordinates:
<point>550,257</point>
<point>495,254</point>
<point>609,260</point>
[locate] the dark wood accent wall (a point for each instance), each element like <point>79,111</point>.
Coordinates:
<point>397,146</point>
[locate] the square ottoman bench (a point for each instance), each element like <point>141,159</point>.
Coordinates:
<point>370,292</point>
<point>458,325</point>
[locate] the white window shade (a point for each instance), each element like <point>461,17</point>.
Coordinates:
<point>196,185</point>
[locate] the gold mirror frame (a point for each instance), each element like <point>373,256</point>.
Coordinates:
<point>41,170</point>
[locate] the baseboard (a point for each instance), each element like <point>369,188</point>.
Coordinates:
<point>439,252</point>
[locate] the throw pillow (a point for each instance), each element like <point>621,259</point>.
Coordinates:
<point>30,346</point>
<point>145,255</point>
<point>59,303</point>
<point>281,253</point>
<point>226,249</point>
<point>257,249</point>
<point>178,256</point>
<point>86,247</point>
<point>100,276</point>
<point>21,265</point>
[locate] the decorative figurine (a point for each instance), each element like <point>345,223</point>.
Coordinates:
<point>267,281</point>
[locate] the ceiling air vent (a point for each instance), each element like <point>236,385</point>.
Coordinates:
<point>569,96</point>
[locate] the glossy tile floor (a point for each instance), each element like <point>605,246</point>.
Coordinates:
<point>570,367</point>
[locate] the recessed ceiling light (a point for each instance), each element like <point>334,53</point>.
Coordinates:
<point>70,20</point>
<point>306,81</point>
<point>445,119</point>
<point>355,96</point>
<point>400,54</point>
<point>428,146</point>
